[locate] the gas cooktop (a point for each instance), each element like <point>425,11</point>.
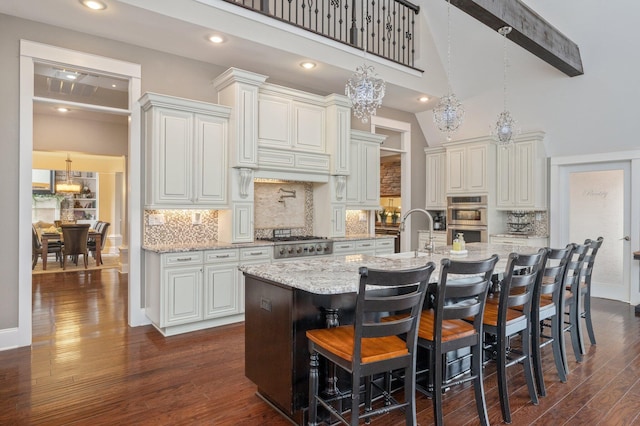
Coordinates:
<point>293,238</point>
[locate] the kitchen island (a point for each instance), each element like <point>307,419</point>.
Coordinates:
<point>284,300</point>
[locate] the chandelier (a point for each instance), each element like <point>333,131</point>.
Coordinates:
<point>449,113</point>
<point>68,185</point>
<point>505,127</point>
<point>365,91</point>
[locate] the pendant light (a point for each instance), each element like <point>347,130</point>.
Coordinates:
<point>68,186</point>
<point>505,127</point>
<point>364,89</point>
<point>449,113</point>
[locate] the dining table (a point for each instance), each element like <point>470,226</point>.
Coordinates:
<point>57,236</point>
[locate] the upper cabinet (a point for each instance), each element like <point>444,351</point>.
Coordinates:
<point>363,182</point>
<point>469,165</point>
<point>186,158</point>
<point>522,174</point>
<point>291,131</point>
<point>436,198</point>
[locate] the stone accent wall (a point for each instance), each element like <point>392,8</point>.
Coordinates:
<point>293,213</point>
<point>390,178</point>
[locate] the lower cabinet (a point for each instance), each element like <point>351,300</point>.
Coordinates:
<point>520,241</point>
<point>192,290</point>
<point>370,246</point>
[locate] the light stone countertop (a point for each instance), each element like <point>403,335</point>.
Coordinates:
<point>523,236</point>
<point>206,245</point>
<point>337,275</point>
<point>358,237</point>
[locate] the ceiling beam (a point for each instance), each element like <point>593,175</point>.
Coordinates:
<point>530,31</point>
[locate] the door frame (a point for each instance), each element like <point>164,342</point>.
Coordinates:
<point>558,225</point>
<point>31,52</point>
<point>404,129</point>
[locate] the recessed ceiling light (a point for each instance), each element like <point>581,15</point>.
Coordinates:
<point>62,109</point>
<point>94,4</point>
<point>308,65</point>
<point>71,76</point>
<point>423,98</point>
<point>216,39</point>
<point>113,85</point>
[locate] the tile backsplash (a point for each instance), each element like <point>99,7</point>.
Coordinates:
<point>354,226</point>
<point>538,222</point>
<point>178,229</point>
<point>275,207</point>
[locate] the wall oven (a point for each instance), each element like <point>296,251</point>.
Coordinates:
<point>467,215</point>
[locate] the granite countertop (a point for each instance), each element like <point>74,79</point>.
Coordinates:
<point>339,274</point>
<point>207,245</point>
<point>514,235</point>
<point>217,245</point>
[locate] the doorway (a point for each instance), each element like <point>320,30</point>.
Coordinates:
<point>32,53</point>
<point>593,199</point>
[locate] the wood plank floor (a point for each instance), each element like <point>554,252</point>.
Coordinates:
<point>87,367</point>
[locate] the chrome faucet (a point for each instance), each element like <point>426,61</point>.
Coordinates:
<point>429,246</point>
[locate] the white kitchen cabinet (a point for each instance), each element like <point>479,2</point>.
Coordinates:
<point>439,239</point>
<point>251,256</point>
<point>363,182</point>
<point>520,240</point>
<point>521,178</point>
<point>436,198</point>
<point>344,248</point>
<point>366,247</point>
<point>221,283</point>
<point>192,290</point>
<point>385,246</point>
<point>185,153</point>
<point>338,135</point>
<point>469,165</point>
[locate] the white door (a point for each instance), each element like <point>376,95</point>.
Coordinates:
<point>597,203</point>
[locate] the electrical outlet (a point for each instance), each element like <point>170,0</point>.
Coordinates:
<point>196,218</point>
<point>156,219</point>
<point>363,217</point>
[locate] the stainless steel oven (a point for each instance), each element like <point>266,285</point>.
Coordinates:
<point>467,210</point>
<point>467,215</point>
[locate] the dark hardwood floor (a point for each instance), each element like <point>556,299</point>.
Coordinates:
<point>86,366</point>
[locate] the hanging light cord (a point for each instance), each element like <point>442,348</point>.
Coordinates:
<point>449,47</point>
<point>504,31</point>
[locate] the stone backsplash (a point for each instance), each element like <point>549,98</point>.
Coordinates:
<point>538,223</point>
<point>276,208</point>
<point>178,227</point>
<point>353,224</point>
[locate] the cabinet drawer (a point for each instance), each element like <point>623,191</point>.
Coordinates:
<point>365,245</point>
<point>221,256</point>
<point>384,243</point>
<point>182,259</point>
<point>344,247</point>
<point>256,253</point>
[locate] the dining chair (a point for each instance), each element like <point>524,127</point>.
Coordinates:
<point>546,310</point>
<point>585,284</point>
<point>503,322</point>
<point>102,228</point>
<point>38,251</point>
<point>75,242</point>
<point>461,294</point>
<point>372,346</point>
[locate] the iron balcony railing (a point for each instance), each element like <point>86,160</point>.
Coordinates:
<point>385,28</point>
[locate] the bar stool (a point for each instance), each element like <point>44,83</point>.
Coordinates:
<point>503,321</point>
<point>373,346</point>
<point>585,285</point>
<point>570,323</point>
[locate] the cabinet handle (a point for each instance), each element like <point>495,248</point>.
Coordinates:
<point>344,246</point>
<point>222,256</point>
<point>183,259</point>
<point>366,245</point>
<point>255,253</point>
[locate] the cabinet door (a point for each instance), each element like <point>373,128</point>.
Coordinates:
<point>220,290</point>
<point>308,127</point>
<point>353,180</point>
<point>370,175</point>
<point>211,160</point>
<point>524,160</point>
<point>456,170</point>
<point>436,181</point>
<point>173,143</point>
<point>476,168</point>
<point>183,295</point>
<point>505,177</point>
<point>242,222</point>
<point>273,121</point>
<point>338,220</point>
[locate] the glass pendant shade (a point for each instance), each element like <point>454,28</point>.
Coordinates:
<point>448,114</point>
<point>68,186</point>
<point>365,91</point>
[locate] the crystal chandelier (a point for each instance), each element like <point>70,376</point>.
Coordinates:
<point>365,91</point>
<point>505,126</point>
<point>68,185</point>
<point>449,113</point>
